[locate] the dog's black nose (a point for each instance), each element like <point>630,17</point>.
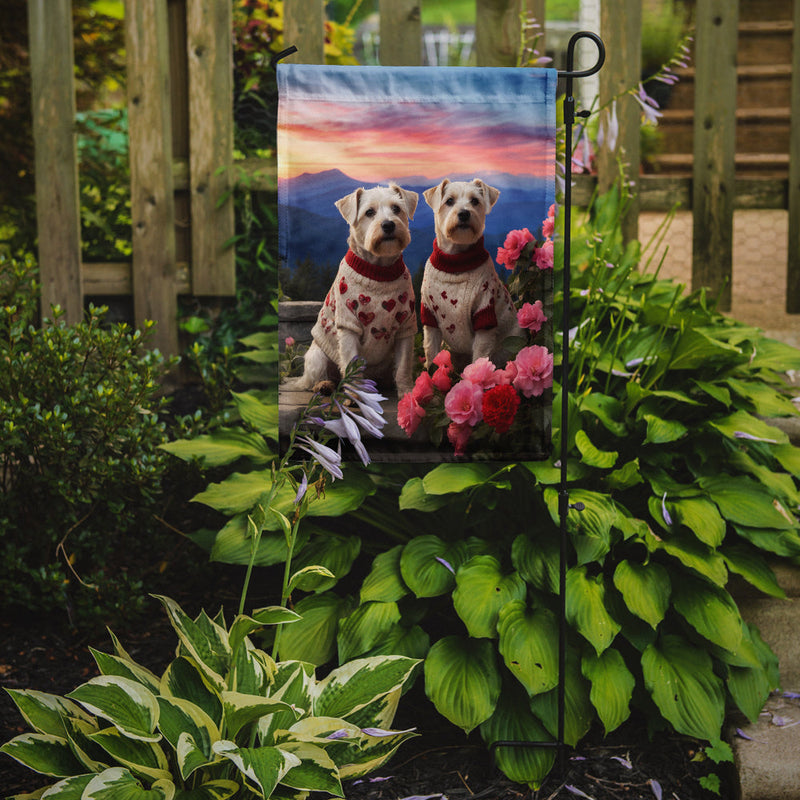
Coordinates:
<point>463,216</point>
<point>387,226</point>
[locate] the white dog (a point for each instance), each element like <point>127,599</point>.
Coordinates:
<point>369,311</point>
<point>464,303</point>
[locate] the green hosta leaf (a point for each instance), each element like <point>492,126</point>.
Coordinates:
<point>549,474</point>
<point>223,446</point>
<point>767,401</point>
<point>695,555</point>
<point>696,349</point>
<point>578,710</point>
<point>753,567</point>
<point>608,410</point>
<point>462,680</point>
<point>212,790</point>
<point>788,455</point>
<point>237,493</point>
<point>45,712</point>
<point>316,772</point>
<point>701,517</point>
<point>717,392</point>
<point>749,688</point>
<point>683,685</point>
<point>625,477</point>
<point>68,789</point>
<point>612,687</point>
<point>771,354</point>
<point>537,561</point>
<point>589,528</point>
<point>334,553</point>
<point>44,753</point>
<point>180,717</point>
<point>399,640</point>
<point>414,497</point>
<point>261,416</point>
<point>745,502</point>
<point>709,610</point>
<point>454,478</point>
<point>529,645</point>
<point>145,759</point>
<point>586,608</point>
<point>242,709</point>
<point>593,457</point>
<point>385,582</point>
<point>264,766</point>
<point>243,625</point>
<point>125,668</point>
<point>663,431</point>
<point>233,544</point>
<point>126,704</point>
<point>207,644</point>
<point>481,591</point>
<point>740,422</point>
<point>118,784</point>
<point>428,565</point>
<point>782,543</point>
<point>312,577</point>
<point>645,588</point>
<point>182,679</point>
<point>355,685</point>
<point>512,721</point>
<point>313,638</point>
<point>365,627</point>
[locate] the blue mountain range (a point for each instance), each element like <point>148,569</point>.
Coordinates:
<point>311,227</point>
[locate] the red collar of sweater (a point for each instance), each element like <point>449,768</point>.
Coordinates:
<point>465,261</point>
<point>376,273</point>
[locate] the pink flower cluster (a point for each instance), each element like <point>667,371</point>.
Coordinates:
<point>516,241</point>
<point>528,375</point>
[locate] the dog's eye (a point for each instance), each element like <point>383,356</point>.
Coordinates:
<point>450,201</point>
<point>370,212</point>
<point>395,209</point>
<point>475,201</point>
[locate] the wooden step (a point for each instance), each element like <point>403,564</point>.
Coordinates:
<point>754,10</point>
<point>767,165</point>
<point>765,41</point>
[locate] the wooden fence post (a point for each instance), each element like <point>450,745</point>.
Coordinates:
<point>56,161</point>
<point>401,33</point>
<point>621,29</point>
<point>210,54</point>
<point>304,27</point>
<point>717,23</point>
<point>152,200</point>
<point>498,29</point>
<point>793,265</point>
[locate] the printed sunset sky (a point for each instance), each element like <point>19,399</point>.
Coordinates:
<point>378,142</point>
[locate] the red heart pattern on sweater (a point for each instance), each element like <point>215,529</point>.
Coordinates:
<point>366,317</point>
<point>388,304</point>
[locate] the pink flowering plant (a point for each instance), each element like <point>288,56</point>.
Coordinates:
<point>486,406</point>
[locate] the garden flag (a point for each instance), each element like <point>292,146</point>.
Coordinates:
<point>416,207</point>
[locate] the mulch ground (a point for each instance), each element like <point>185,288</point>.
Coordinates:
<point>44,654</point>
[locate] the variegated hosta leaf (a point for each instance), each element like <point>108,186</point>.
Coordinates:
<point>612,686</point>
<point>212,790</point>
<point>365,627</point>
<point>513,721</point>
<point>262,766</point>
<point>371,754</point>
<point>242,709</point>
<point>45,712</point>
<point>481,591</point>
<point>44,753</point>
<point>183,679</point>
<point>293,685</point>
<point>180,717</point>
<point>683,685</point>
<point>244,625</point>
<point>78,734</point>
<point>117,783</point>
<point>126,704</point>
<point>710,610</point>
<point>190,755</point>
<point>462,680</point>
<point>646,589</point>
<point>529,645</point>
<point>358,683</point>
<point>316,771</point>
<point>68,789</point>
<point>428,564</point>
<point>125,668</point>
<point>145,759</point>
<point>385,581</point>
<point>586,609</point>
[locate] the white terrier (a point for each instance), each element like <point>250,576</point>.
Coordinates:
<point>369,311</point>
<point>464,303</point>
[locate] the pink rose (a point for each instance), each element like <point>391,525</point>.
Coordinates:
<point>534,370</point>
<point>458,436</point>
<point>506,376</point>
<point>549,223</point>
<point>409,413</point>
<point>289,341</point>
<point>481,372</point>
<point>441,379</point>
<point>510,252</point>
<point>444,359</point>
<point>463,403</point>
<point>544,255</point>
<point>531,316</point>
<point>423,389</point>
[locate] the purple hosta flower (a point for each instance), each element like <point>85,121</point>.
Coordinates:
<point>376,779</point>
<point>342,733</point>
<point>380,732</point>
<point>742,735</point>
<point>425,797</point>
<point>649,106</point>
<point>751,437</point>
<point>445,563</point>
<point>791,695</point>
<point>624,761</point>
<point>664,512</point>
<point>325,456</point>
<point>608,132</point>
<point>301,489</point>
<point>346,426</point>
<point>577,792</point>
<point>655,787</point>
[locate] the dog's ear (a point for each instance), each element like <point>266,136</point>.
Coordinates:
<point>348,205</point>
<point>433,196</point>
<point>489,192</point>
<point>408,197</point>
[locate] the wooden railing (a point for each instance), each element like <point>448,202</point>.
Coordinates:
<point>181,133</point>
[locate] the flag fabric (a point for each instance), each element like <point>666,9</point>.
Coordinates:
<point>343,127</point>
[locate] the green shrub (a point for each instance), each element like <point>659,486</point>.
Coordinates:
<point>79,428</point>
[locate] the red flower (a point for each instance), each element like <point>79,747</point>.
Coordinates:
<point>500,406</point>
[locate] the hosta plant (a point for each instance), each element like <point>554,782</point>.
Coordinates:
<point>224,720</point>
